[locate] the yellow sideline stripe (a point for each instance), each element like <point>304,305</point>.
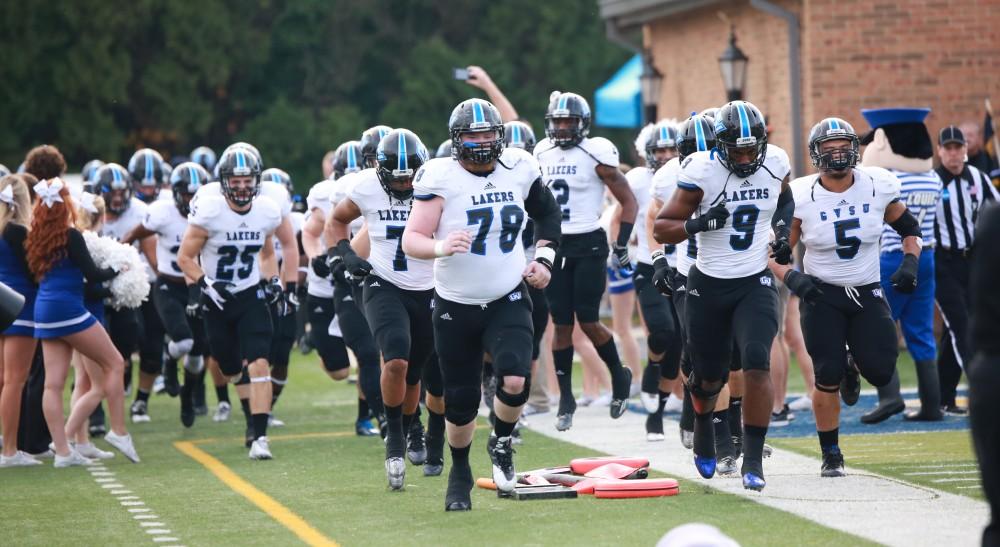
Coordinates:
<point>269,505</point>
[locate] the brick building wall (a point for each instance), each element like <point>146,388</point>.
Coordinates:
<point>856,54</point>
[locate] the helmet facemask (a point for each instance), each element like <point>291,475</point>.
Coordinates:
<point>564,135</point>
<point>240,195</point>
<point>836,160</point>
<point>478,152</point>
<point>737,165</point>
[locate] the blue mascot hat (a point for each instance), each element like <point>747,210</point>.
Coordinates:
<point>879,117</point>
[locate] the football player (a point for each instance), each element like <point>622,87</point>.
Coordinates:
<point>839,213</point>
<point>730,291</point>
<point>468,214</point>
<point>577,169</point>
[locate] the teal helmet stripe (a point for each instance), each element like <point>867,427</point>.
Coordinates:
<point>401,152</point>
<point>834,124</point>
<point>699,136</point>
<point>515,134</point>
<point>744,121</point>
<point>664,134</point>
<point>193,175</point>
<point>352,159</point>
<point>116,175</point>
<point>563,99</point>
<point>477,113</point>
<point>148,175</point>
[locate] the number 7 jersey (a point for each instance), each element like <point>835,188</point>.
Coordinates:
<point>231,252</point>
<point>386,218</point>
<point>491,209</point>
<point>740,248</point>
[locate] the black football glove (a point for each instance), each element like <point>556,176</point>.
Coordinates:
<point>905,278</point>
<point>781,251</point>
<point>216,291</point>
<point>662,274</point>
<point>712,219</point>
<point>804,286</point>
<point>354,264</point>
<point>320,267</point>
<point>273,290</point>
<point>289,299</point>
<point>193,308</point>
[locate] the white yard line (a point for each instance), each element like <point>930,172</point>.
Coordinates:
<point>969,472</point>
<point>132,503</point>
<point>865,504</point>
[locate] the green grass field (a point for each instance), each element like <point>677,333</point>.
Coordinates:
<point>334,481</point>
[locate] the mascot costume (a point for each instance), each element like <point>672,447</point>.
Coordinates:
<point>899,141</point>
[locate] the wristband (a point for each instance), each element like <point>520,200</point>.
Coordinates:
<point>658,255</point>
<point>546,256</point>
<point>439,248</point>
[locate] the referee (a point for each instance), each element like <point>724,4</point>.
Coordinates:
<point>965,189</point>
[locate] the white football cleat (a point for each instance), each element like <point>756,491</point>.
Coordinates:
<point>123,443</point>
<point>274,422</point>
<point>260,449</point>
<point>222,412</point>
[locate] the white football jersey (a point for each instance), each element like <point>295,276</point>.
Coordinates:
<point>491,209</point>
<point>841,232</point>
<point>275,191</point>
<point>121,226</point>
<point>295,220</point>
<point>386,218</point>
<point>662,187</point>
<point>231,253</point>
<point>740,248</point>
<point>640,181</point>
<point>343,187</point>
<point>571,176</point>
<point>318,201</point>
<point>169,224</point>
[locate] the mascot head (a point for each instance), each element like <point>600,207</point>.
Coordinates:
<point>898,139</point>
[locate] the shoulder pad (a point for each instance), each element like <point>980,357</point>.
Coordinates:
<point>206,209</point>
<point>777,161</point>
<point>601,149</point>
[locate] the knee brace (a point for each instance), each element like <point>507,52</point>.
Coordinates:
<point>657,341</point>
<point>194,364</point>
<point>756,356</point>
<point>260,379</point>
<point>179,348</point>
<point>704,389</point>
<point>461,404</point>
<point>514,400</point>
<point>826,389</point>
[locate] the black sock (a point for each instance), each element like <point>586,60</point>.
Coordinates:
<point>503,429</point>
<point>276,389</point>
<point>687,412</point>
<point>608,352</point>
<point>222,393</point>
<point>259,425</point>
<point>723,440</point>
<point>435,424</point>
<point>736,416</point>
<point>704,435</point>
<point>141,395</point>
<point>395,441</point>
<point>363,410</point>
<point>460,456</point>
<point>664,395</point>
<point>562,360</point>
<point>190,379</point>
<point>245,405</point>
<point>460,477</point>
<point>408,421</point>
<point>753,448</point>
<point>651,377</point>
<point>829,439</point>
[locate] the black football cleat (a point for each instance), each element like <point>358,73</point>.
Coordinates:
<point>850,384</point>
<point>416,450</point>
<point>833,464</point>
<point>621,387</point>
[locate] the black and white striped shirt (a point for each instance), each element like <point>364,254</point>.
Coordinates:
<point>962,196</point>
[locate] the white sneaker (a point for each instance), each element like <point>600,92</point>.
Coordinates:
<point>800,404</point>
<point>159,385</point>
<point>674,405</point>
<point>650,401</point>
<point>139,412</point>
<point>274,422</point>
<point>74,458</point>
<point>603,400</point>
<point>222,412</point>
<point>124,445</point>
<point>654,437</point>
<point>47,455</point>
<point>634,390</point>
<point>19,459</point>
<point>584,400</point>
<point>88,450</point>
<point>260,450</point>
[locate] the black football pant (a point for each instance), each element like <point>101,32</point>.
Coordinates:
<point>951,276</point>
<point>984,407</point>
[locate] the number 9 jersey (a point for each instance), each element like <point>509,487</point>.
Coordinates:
<point>491,209</point>
<point>234,239</point>
<point>841,232</point>
<point>740,248</point>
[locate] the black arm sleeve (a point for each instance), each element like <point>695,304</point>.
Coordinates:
<point>15,236</point>
<point>542,208</point>
<point>906,225</point>
<point>78,253</point>
<point>781,222</point>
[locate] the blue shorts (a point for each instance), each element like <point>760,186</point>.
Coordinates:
<point>915,312</point>
<point>618,284</point>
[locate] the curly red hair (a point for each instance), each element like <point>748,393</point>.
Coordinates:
<point>46,242</point>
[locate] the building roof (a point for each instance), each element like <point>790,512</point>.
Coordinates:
<point>633,13</point>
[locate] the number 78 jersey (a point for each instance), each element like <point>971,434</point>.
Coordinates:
<point>386,219</point>
<point>491,209</point>
<point>740,248</point>
<point>231,252</point>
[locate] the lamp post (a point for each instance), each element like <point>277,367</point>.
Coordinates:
<point>733,65</point>
<point>650,82</point>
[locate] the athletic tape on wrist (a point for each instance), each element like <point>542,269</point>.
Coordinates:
<point>547,253</point>
<point>439,248</point>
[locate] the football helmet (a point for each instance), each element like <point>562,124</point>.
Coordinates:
<point>347,159</point>
<point>572,106</point>
<point>663,135</point>
<point>239,162</point>
<point>87,174</point>
<point>476,116</point>
<point>831,129</point>
<point>369,142</point>
<point>205,157</point>
<point>517,134</point>
<point>113,184</point>
<point>696,134</point>
<point>281,177</point>
<point>709,112</point>
<point>444,150</point>
<point>146,171</point>
<point>185,180</point>
<point>248,147</point>
<point>398,156</point>
<point>741,137</point>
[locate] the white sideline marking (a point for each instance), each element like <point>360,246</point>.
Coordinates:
<point>972,472</point>
<point>150,524</point>
<point>931,466</point>
<point>112,485</point>
<point>139,510</point>
<point>138,517</point>
<point>956,480</point>
<point>105,479</point>
<point>132,503</point>
<point>120,492</point>
<point>157,531</point>
<point>123,498</point>
<point>968,487</point>
<point>875,507</point>
<point>163,539</point>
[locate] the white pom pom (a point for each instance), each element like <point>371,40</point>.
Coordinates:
<point>130,288</point>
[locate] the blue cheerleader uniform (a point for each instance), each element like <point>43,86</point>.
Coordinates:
<point>14,272</point>
<point>59,305</point>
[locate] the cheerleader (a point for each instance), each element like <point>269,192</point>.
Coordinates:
<point>58,258</point>
<point>17,342</point>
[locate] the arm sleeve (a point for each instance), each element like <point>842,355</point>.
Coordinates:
<point>543,210</point>
<point>15,235</point>
<point>78,253</point>
<point>906,225</point>
<point>781,222</point>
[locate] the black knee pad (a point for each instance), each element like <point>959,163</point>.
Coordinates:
<point>879,378</point>
<point>829,374</point>
<point>755,356</point>
<point>514,400</point>
<point>279,371</point>
<point>461,404</point>
<point>704,389</point>
<point>657,341</point>
<point>149,365</point>
<point>414,372</point>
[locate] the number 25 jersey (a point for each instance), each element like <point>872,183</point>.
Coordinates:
<point>231,253</point>
<point>841,231</point>
<point>570,174</point>
<point>740,248</point>
<point>491,209</point>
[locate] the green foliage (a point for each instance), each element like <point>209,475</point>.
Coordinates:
<point>295,77</point>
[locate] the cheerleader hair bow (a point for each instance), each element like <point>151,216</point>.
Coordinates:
<point>7,196</point>
<point>86,201</point>
<point>48,192</point>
